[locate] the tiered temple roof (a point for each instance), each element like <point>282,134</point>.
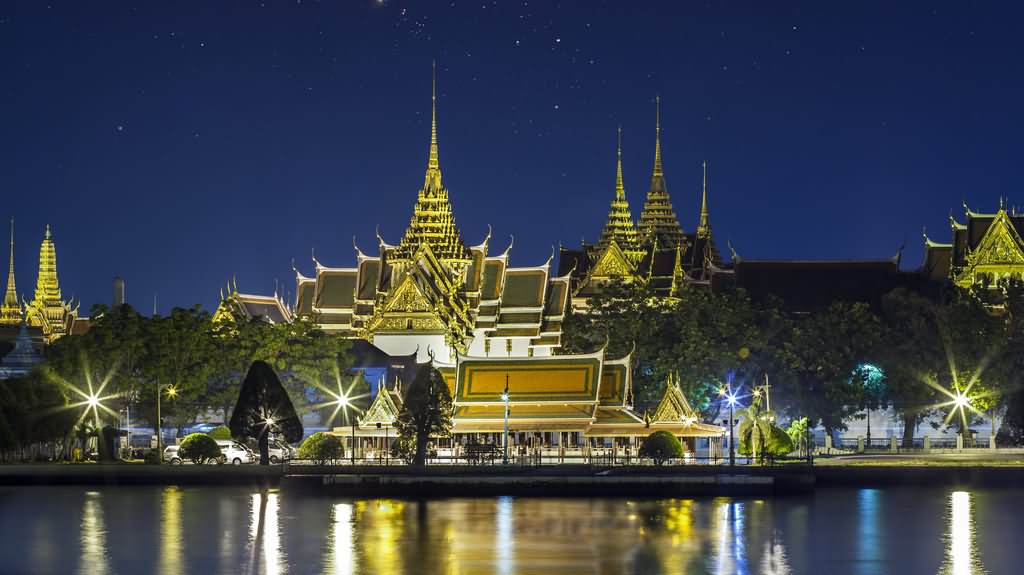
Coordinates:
<point>619,229</point>
<point>434,288</point>
<point>985,250</point>
<point>662,256</point>
<point>48,310</point>
<point>658,223</point>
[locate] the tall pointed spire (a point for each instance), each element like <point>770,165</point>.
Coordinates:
<point>433,177</point>
<point>620,190</point>
<point>433,222</point>
<point>619,227</point>
<point>657,139</point>
<point>658,222</point>
<point>704,227</point>
<point>10,310</point>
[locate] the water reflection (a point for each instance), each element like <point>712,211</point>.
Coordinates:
<point>170,532</point>
<point>266,556</point>
<point>204,531</point>
<point>93,536</point>
<point>340,543</point>
<point>962,557</point>
<point>869,540</point>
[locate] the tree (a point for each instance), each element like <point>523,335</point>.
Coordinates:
<point>299,351</point>
<point>179,352</point>
<point>911,356</point>
<point>799,435</point>
<point>264,407</point>
<point>755,429</point>
<point>816,375</point>
<point>220,432</point>
<point>426,411</point>
<point>321,448</point>
<point>661,446</point>
<point>199,448</point>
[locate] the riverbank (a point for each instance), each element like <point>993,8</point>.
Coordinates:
<point>566,480</point>
<point>139,474</point>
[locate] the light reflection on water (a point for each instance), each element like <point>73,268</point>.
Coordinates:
<point>93,535</point>
<point>219,530</point>
<point>962,556</point>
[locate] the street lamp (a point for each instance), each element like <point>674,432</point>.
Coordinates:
<point>504,398</point>
<point>171,393</point>
<point>730,398</point>
<point>344,402</point>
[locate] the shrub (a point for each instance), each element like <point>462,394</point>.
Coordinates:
<point>151,457</point>
<point>404,448</point>
<point>661,446</point>
<point>321,448</point>
<point>199,448</point>
<point>220,433</point>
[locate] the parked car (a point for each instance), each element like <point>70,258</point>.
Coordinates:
<point>171,455</point>
<point>280,451</point>
<point>236,453</point>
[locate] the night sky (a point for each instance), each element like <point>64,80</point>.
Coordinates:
<point>182,144</point>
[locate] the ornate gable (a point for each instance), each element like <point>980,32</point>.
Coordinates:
<point>1000,253</point>
<point>613,263</point>
<point>673,408</point>
<point>383,409</point>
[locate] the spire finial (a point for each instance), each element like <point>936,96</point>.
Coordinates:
<point>620,191</point>
<point>703,227</point>
<point>433,165</point>
<point>47,235</point>
<point>657,138</point>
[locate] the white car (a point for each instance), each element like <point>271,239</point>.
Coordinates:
<point>235,453</point>
<point>280,451</point>
<point>171,455</point>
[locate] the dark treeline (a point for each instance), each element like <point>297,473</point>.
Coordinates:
<point>820,365</point>
<point>195,361</point>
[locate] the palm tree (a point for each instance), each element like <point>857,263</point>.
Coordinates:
<point>756,427</point>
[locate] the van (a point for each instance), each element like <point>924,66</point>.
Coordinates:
<point>235,453</point>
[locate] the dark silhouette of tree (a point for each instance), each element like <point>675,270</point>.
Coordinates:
<point>426,411</point>
<point>263,408</point>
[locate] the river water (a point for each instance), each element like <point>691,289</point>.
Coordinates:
<point>204,530</point>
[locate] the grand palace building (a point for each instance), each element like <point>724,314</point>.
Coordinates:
<point>492,325</point>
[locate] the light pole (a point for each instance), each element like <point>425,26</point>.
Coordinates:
<point>730,398</point>
<point>171,392</point>
<point>344,402</point>
<point>504,398</point>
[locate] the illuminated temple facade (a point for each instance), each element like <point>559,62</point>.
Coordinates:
<point>431,293</point>
<point>485,324</point>
<point>48,314</point>
<point>986,252</point>
<point>654,251</point>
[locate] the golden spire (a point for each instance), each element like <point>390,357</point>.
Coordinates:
<point>704,227</point>
<point>619,227</point>
<point>47,309</point>
<point>432,220</point>
<point>620,190</point>
<point>433,177</point>
<point>10,310</point>
<point>658,223</point>
<point>657,138</point>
